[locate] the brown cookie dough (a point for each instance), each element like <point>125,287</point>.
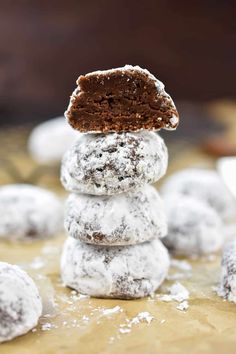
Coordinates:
<point>123,99</point>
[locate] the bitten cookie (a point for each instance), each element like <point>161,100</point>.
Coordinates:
<point>114,163</point>
<point>205,185</point>
<point>228,272</point>
<point>122,99</point>
<point>194,228</point>
<point>48,141</point>
<point>122,219</point>
<point>114,272</point>
<point>29,212</point>
<point>20,303</point>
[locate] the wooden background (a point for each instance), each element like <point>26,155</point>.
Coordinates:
<point>45,45</point>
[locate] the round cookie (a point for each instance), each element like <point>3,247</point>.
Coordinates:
<point>205,185</point>
<point>114,272</point>
<point>122,219</point>
<point>49,140</point>
<point>106,164</point>
<point>194,228</point>
<point>228,272</point>
<point>20,303</point>
<point>29,212</point>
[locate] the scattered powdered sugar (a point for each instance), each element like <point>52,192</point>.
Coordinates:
<point>183,306</point>
<point>48,326</point>
<point>113,310</point>
<point>142,317</point>
<point>178,293</point>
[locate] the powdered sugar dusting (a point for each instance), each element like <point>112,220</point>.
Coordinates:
<point>120,272</point>
<point>183,306</point>
<point>112,310</point>
<point>142,317</point>
<point>194,228</point>
<point>176,292</point>
<point>122,219</point>
<point>227,286</point>
<point>107,164</point>
<point>20,303</point>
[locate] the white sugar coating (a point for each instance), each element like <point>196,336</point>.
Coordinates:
<point>129,69</point>
<point>121,219</point>
<point>194,228</point>
<point>116,272</point>
<point>49,140</point>
<point>29,212</point>
<point>20,303</point>
<point>202,184</point>
<point>227,288</point>
<point>106,164</point>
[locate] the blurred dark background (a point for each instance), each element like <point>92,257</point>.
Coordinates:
<point>45,45</point>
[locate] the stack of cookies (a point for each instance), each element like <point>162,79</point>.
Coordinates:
<point>114,218</point>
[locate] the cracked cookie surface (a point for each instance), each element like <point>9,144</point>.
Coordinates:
<point>114,272</point>
<point>107,164</point>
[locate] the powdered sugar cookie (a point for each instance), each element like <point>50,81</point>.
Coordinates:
<point>20,303</point>
<point>205,185</point>
<point>49,140</point>
<point>106,164</point>
<point>29,212</point>
<point>116,272</point>
<point>228,272</point>
<point>194,228</point>
<point>123,219</point>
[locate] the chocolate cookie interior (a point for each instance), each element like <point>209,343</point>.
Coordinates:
<point>123,99</point>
